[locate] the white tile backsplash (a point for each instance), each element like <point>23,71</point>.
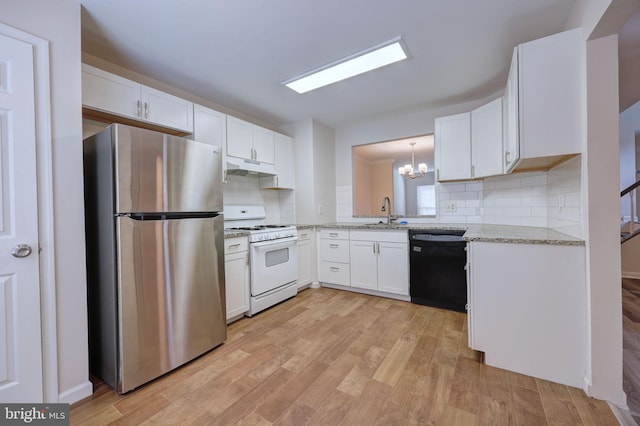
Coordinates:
<point>246,190</point>
<point>542,199</point>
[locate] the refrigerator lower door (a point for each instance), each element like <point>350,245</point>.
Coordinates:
<point>171,294</point>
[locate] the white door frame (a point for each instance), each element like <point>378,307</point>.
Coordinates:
<point>48,315</point>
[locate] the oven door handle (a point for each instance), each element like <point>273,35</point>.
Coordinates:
<point>275,243</point>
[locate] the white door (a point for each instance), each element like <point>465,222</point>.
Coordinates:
<point>20,342</point>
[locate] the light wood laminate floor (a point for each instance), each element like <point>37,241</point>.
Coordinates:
<point>631,345</point>
<point>330,357</point>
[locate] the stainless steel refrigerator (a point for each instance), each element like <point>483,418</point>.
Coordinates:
<point>155,260</point>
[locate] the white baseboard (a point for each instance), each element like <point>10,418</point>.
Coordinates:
<point>633,275</point>
<point>76,393</point>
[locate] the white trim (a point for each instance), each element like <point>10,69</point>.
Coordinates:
<point>76,393</point>
<point>628,274</point>
<point>48,317</point>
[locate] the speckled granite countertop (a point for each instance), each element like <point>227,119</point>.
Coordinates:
<point>235,234</point>
<point>480,232</point>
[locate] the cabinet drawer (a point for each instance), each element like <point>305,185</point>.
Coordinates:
<point>234,245</point>
<point>334,250</point>
<point>335,234</point>
<point>304,234</point>
<point>386,236</point>
<point>335,273</point>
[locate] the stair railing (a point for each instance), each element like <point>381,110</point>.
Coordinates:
<point>631,191</point>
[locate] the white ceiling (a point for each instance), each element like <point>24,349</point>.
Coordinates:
<point>236,53</point>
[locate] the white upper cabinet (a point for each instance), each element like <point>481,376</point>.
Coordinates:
<point>249,142</point>
<point>210,127</point>
<point>112,94</point>
<point>486,140</point>
<point>511,148</point>
<point>453,147</point>
<point>166,110</point>
<point>545,84</point>
<point>284,165</point>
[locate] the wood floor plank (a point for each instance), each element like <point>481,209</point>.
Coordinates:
<point>527,407</point>
<point>328,382</point>
<point>356,380</point>
<point>239,411</point>
<point>592,411</point>
<point>328,357</point>
<point>394,363</point>
<point>365,411</point>
<point>334,409</point>
<point>276,405</point>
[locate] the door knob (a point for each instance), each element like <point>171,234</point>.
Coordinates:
<point>21,250</point>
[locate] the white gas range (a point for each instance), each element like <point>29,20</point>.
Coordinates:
<point>273,256</point>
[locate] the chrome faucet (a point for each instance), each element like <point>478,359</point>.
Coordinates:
<point>386,201</point>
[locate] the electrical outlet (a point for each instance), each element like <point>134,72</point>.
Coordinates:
<point>452,207</point>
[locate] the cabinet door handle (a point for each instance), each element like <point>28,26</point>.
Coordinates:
<point>334,269</point>
<point>276,180</point>
<point>246,259</point>
<point>146,110</point>
<point>138,109</point>
<point>506,158</point>
<point>438,174</point>
<point>473,170</point>
<point>333,246</point>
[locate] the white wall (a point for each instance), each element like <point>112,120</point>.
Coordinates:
<point>59,23</point>
<point>601,185</point>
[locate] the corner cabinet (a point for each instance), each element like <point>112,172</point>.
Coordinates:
<point>236,272</point>
<point>469,145</point>
<point>249,142</point>
<point>108,93</point>
<point>380,261</point>
<point>283,164</point>
<point>543,102</point>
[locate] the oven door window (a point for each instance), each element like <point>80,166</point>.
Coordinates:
<point>276,257</point>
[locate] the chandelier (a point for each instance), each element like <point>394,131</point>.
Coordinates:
<point>409,170</point>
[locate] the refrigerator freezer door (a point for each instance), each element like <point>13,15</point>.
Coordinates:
<point>172,294</point>
<point>163,173</point>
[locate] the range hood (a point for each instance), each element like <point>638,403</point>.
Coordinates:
<point>243,167</point>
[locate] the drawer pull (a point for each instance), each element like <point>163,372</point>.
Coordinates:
<point>234,245</point>
<point>333,234</point>
<point>303,235</point>
<point>334,269</point>
<point>334,245</point>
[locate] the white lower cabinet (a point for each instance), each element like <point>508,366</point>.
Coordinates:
<point>334,257</point>
<point>527,309</point>
<point>305,257</point>
<point>236,264</point>
<point>380,261</point>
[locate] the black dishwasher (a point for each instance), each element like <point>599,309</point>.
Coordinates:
<point>437,275</point>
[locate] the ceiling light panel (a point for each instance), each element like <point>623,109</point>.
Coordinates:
<point>350,66</point>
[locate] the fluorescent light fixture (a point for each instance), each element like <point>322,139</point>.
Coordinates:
<point>352,65</point>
